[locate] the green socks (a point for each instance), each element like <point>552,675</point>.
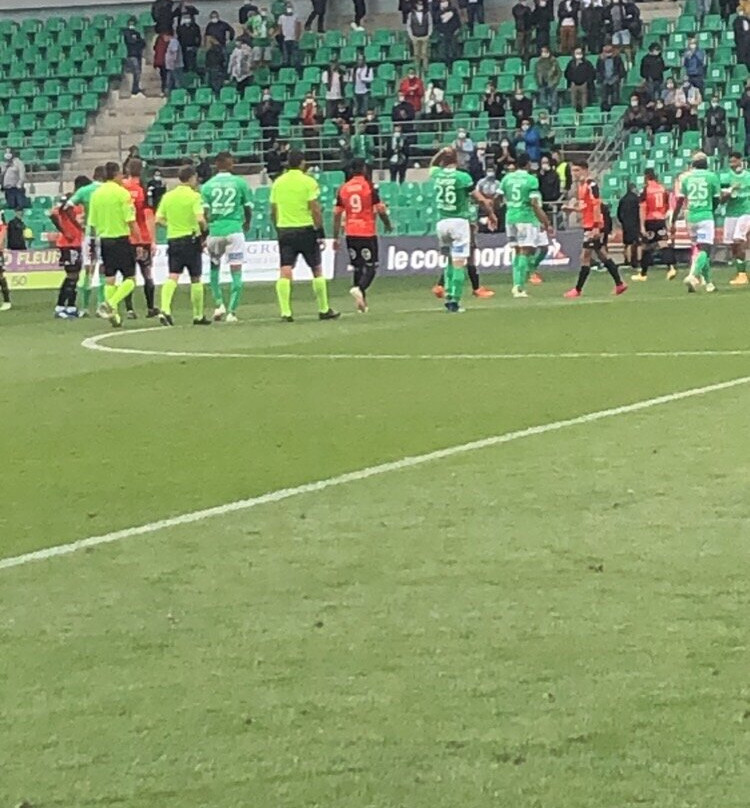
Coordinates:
<point>85,287</point>
<point>537,258</point>
<point>120,292</point>
<point>197,299</point>
<point>167,294</point>
<point>702,266</point>
<point>216,286</point>
<point>284,296</point>
<point>448,276</point>
<point>457,290</point>
<point>236,291</point>
<point>520,270</point>
<point>101,293</point>
<point>320,287</point>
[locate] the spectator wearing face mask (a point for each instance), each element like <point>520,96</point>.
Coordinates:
<point>447,27</point>
<point>567,15</point>
<point>333,81</point>
<point>694,64</point>
<point>397,155</point>
<point>155,190</point>
<point>221,31</point>
<point>546,132</point>
<point>174,64</point>
<point>267,113</point>
<point>528,137</point>
<point>523,19</point>
<point>13,178</point>
<point>216,65</point>
<point>687,100</point>
<point>610,71</point>
<point>342,113</point>
<point>419,29</point>
<point>542,17</point>
<point>520,106</point>
<point>669,93</point>
<point>241,65</point>
<point>189,34</point>
<point>653,69</point>
<point>494,105</point>
<point>549,185</point>
<point>592,25</point>
<point>660,118</point>
<point>290,27</point>
<point>636,119</point>
<point>579,74</point>
<point>505,156</point>
<point>465,148</point>
<point>715,131</point>
<point>411,88</point>
<point>403,114</point>
<point>618,19</point>
<point>362,76</point>
<point>135,44</point>
<point>548,73</point>
<point>435,105</point>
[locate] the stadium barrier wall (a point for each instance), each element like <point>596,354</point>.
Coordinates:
<point>399,255</point>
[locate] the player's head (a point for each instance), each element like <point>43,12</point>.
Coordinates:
<point>736,161</point>
<point>699,160</point>
<point>188,176</point>
<point>296,159</point>
<point>112,172</point>
<point>358,166</point>
<point>99,174</point>
<point>632,188</point>
<point>580,170</point>
<point>224,161</point>
<point>649,175</point>
<point>135,168</point>
<point>81,181</point>
<point>522,161</point>
<point>449,157</point>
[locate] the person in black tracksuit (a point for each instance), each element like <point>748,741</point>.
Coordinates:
<point>628,214</point>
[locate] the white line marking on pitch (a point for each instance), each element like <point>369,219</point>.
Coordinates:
<point>96,343</point>
<point>364,474</point>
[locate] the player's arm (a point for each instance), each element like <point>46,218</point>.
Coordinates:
<point>338,215</point>
<point>381,210</point>
<point>678,206</point>
<point>313,204</point>
<point>642,213</point>
<point>540,213</point>
<point>486,204</point>
<point>248,206</point>
<point>160,217</point>
<point>74,200</point>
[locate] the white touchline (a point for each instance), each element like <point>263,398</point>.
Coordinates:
<point>96,343</point>
<point>363,474</point>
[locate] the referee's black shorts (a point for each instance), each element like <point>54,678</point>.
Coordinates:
<point>296,241</point>
<point>118,255</point>
<point>185,254</point>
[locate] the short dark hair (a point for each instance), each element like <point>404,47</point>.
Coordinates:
<point>358,166</point>
<point>295,158</point>
<point>81,181</point>
<point>135,167</point>
<point>522,160</point>
<point>737,155</point>
<point>186,173</point>
<point>649,174</point>
<point>581,163</point>
<point>224,160</point>
<point>99,173</point>
<point>111,170</point>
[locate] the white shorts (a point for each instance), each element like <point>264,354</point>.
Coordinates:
<point>232,246</point>
<point>455,235</point>
<point>523,234</point>
<point>702,232</point>
<point>542,239</point>
<point>736,229</point>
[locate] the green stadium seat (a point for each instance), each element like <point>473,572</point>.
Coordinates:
<point>179,98</point>
<point>252,94</point>
<point>686,24</point>
<point>382,38</point>
<point>357,39</point>
<point>398,53</point>
<point>228,96</point>
<point>333,39</point>
<point>592,116</point>
<point>373,54</point>
<point>436,71</point>
<point>713,23</point>
<point>691,140</point>
<point>660,27</point>
<point>512,66</point>
<point>217,112</point>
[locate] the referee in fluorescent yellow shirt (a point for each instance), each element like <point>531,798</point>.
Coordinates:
<point>296,214</point>
<point>181,211</point>
<point>112,218</point>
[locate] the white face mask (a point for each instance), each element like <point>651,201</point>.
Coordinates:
<point>8,155</point>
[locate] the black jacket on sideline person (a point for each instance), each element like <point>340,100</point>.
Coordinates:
<point>579,73</point>
<point>161,14</point>
<point>653,67</point>
<point>221,31</point>
<point>15,238</point>
<point>135,44</point>
<point>629,216</point>
<point>716,122</point>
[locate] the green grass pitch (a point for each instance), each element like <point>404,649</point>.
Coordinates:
<point>556,622</point>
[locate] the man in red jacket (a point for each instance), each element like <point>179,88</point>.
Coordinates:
<point>412,88</point>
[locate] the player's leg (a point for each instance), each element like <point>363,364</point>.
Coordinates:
<point>538,255</point>
<point>236,257</point>
<point>145,263</point>
<point>288,252</point>
<point>66,296</point>
<point>460,246</point>
<point>176,262</point>
<point>216,246</point>
<point>362,261</point>
<point>120,257</point>
<point>585,270</point>
<point>471,268</point>
<point>525,247</point>
<point>611,267</point>
<point>739,249</point>
<point>700,269</point>
<point>310,251</point>
<point>197,292</point>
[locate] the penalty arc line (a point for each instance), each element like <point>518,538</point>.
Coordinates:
<point>407,462</point>
<point>96,343</point>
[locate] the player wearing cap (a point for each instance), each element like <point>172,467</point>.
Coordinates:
<point>359,202</point>
<point>298,219</point>
<point>700,189</point>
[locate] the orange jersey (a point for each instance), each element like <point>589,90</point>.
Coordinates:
<point>359,201</point>
<point>590,205</point>
<point>654,202</point>
<point>138,195</point>
<point>68,223</point>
